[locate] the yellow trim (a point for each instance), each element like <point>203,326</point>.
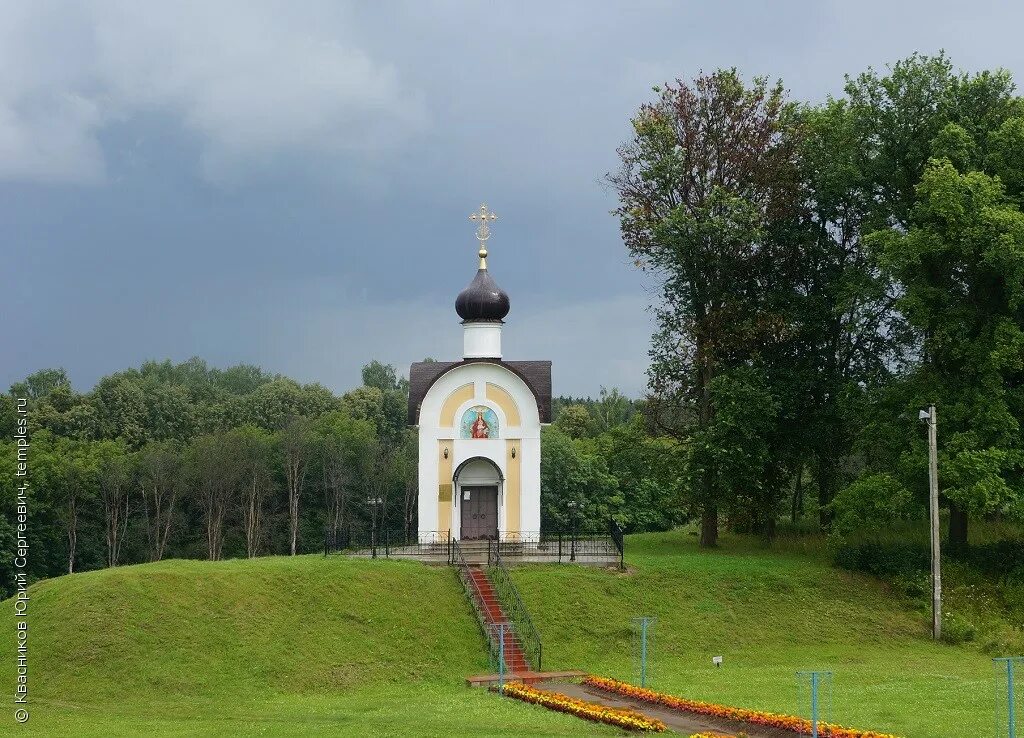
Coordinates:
<point>500,397</point>
<point>444,478</point>
<point>452,402</point>
<point>513,503</point>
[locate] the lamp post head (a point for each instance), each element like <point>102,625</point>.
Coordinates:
<point>924,416</point>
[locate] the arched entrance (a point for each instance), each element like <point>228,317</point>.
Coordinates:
<point>478,482</point>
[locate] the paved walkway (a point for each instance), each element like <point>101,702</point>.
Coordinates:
<point>681,722</point>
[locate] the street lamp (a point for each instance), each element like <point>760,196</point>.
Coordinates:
<point>573,507</point>
<point>373,502</point>
<point>928,416</point>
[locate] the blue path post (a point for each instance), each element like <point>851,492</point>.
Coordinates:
<point>1010,698</point>
<point>814,704</point>
<point>501,657</point>
<point>643,652</point>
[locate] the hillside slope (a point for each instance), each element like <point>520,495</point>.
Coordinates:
<point>769,614</point>
<point>287,646</point>
<point>296,646</point>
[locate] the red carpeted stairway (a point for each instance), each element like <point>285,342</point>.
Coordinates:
<point>487,603</point>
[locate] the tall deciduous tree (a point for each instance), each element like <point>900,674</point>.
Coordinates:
<point>705,183</point>
<point>930,142</point>
<point>115,484</point>
<point>217,471</point>
<point>160,480</point>
<point>343,443</point>
<point>847,334</point>
<point>296,443</point>
<point>255,454</point>
<point>962,270</point>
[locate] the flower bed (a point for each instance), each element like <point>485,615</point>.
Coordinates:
<point>629,719</point>
<point>754,717</point>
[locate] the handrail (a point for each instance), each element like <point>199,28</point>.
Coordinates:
<point>475,596</point>
<point>514,609</point>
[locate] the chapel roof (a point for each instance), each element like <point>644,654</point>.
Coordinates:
<point>482,299</point>
<point>536,375</point>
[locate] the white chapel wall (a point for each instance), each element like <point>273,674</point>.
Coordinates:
<point>433,429</point>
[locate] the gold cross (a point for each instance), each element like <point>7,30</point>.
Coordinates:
<point>483,231</point>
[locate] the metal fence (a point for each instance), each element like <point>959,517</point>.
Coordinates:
<point>563,546</point>
<point>583,546</point>
<point>514,610</point>
<point>421,545</point>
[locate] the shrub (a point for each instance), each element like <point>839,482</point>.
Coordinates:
<point>1003,558</point>
<point>904,560</point>
<point>956,628</point>
<point>871,503</point>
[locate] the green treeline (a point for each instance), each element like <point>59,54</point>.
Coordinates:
<point>190,461</point>
<point>185,460</point>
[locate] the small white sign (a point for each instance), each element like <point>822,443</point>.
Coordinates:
<point>465,495</point>
<point>716,660</point>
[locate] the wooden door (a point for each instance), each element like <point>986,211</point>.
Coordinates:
<point>479,513</point>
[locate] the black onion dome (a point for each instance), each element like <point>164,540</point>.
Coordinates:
<point>483,299</point>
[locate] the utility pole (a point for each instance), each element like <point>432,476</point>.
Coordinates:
<point>930,417</point>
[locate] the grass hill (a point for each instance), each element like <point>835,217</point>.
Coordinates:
<point>277,646</point>
<point>295,646</point>
<point>769,614</point>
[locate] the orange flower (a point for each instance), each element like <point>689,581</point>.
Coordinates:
<point>768,719</point>
<point>629,719</point>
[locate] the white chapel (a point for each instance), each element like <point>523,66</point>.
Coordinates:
<point>479,422</point>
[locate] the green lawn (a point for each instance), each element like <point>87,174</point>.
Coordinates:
<point>282,646</point>
<point>274,646</point>
<point>769,614</point>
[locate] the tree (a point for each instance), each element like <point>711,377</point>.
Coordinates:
<point>611,409</point>
<point>961,266</point>
<point>274,404</point>
<point>647,472</point>
<point>846,333</point>
<point>901,123</point>
<point>254,448</point>
<point>407,474</point>
<point>872,503</point>
<point>383,399</point>
<point>159,475</point>
<point>707,183</point>
<point>570,474</point>
<point>575,421</point>
<point>68,471</point>
<point>384,377</point>
<point>295,442</point>
<point>115,483</point>
<point>40,384</point>
<point>121,409</point>
<point>217,468</point>
<point>342,445</point>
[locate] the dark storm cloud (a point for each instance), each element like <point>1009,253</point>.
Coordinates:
<point>260,183</point>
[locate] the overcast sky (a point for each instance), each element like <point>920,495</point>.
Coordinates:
<point>288,184</point>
